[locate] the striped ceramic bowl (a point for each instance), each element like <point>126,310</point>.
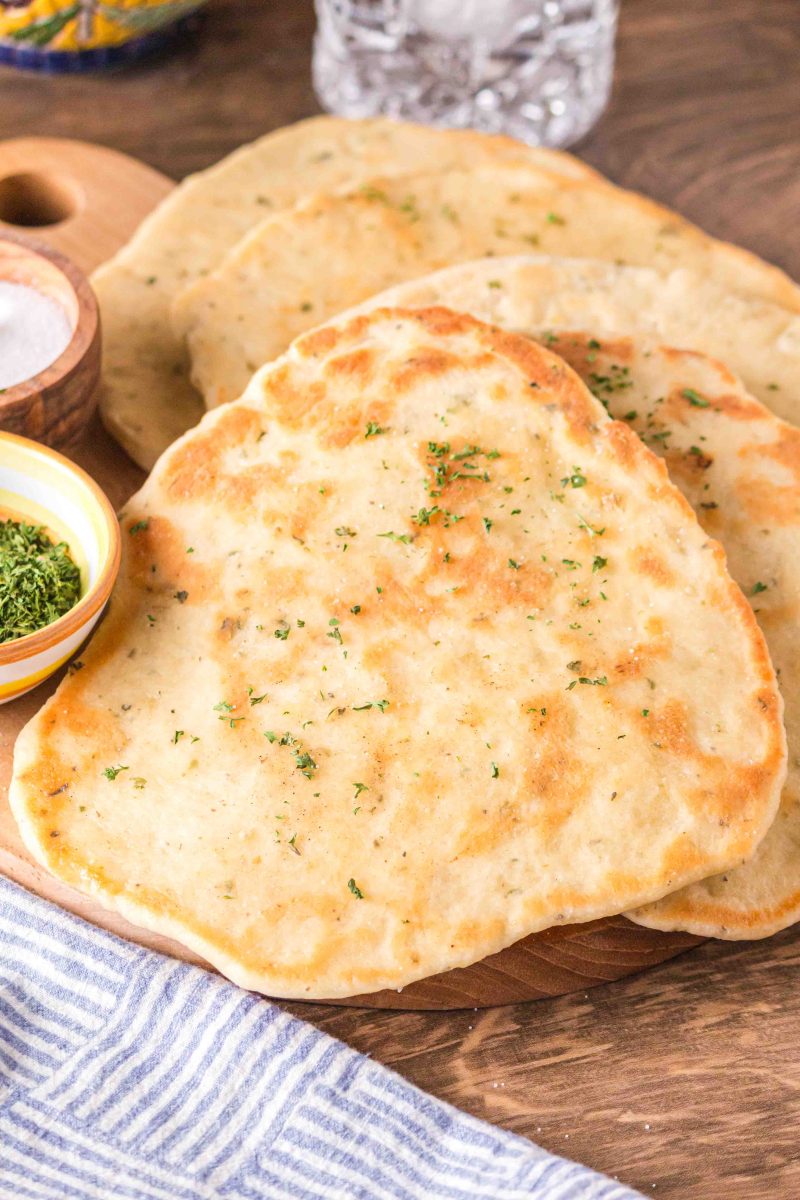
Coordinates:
<point>44,488</point>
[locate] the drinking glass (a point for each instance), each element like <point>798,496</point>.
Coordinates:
<point>539,70</point>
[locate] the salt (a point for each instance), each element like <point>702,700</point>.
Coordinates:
<point>34,331</point>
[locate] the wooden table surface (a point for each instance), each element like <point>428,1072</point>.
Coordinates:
<point>684,1082</point>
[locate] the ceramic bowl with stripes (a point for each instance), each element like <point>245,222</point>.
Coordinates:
<point>42,487</point>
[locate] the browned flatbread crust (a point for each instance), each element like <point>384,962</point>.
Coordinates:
<point>739,467</point>
<point>411,655</point>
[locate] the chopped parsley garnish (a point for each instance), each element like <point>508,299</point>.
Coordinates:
<point>305,763</point>
<point>601,681</point>
<point>598,563</point>
<point>282,632</point>
<point>405,538</point>
<point>356,609</point>
<point>360,787</point>
<point>113,772</point>
<point>590,529</point>
<point>576,480</point>
<point>695,398</point>
<point>444,474</point>
<point>758,587</point>
<point>224,709</point>
<point>370,192</point>
<point>487,524</point>
<point>553,218</point>
<point>177,735</point>
<point>345,531</point>
<point>513,564</point>
<point>616,380</point>
<point>570,564</point>
<point>355,889</point>
<point>373,430</point>
<point>495,771</point>
<point>39,582</point>
<point>381,704</point>
<point>140,526</point>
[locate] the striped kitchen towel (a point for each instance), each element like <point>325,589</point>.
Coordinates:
<point>127,1074</point>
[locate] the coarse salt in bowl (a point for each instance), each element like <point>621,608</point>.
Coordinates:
<point>49,343</point>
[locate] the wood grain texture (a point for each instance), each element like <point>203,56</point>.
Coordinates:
<point>705,117</point>
<point>44,178</point>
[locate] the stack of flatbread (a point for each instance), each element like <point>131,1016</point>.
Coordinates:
<point>475,613</point>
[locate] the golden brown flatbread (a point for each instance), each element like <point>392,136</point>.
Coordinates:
<point>306,264</point>
<point>147,400</point>
<point>413,652</point>
<point>738,465</point>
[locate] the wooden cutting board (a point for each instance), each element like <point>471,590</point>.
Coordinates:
<point>86,201</point>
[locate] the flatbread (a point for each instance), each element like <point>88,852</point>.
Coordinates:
<point>307,264</point>
<point>739,468</point>
<point>744,484</point>
<point>147,400</point>
<point>413,652</point>
<point>758,341</point>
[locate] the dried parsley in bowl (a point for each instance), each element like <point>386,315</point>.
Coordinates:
<point>39,582</point>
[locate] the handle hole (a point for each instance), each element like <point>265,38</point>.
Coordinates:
<point>37,199</point>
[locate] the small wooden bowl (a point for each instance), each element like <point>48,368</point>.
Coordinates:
<point>54,406</point>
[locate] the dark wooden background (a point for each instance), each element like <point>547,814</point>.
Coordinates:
<point>684,1082</point>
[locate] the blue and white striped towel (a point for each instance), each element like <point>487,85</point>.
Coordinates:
<point>127,1074</point>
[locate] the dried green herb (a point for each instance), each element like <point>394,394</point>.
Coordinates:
<point>694,398</point>
<point>113,772</point>
<point>39,582</point>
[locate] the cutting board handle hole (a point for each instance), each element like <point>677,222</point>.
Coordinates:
<point>38,199</point>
